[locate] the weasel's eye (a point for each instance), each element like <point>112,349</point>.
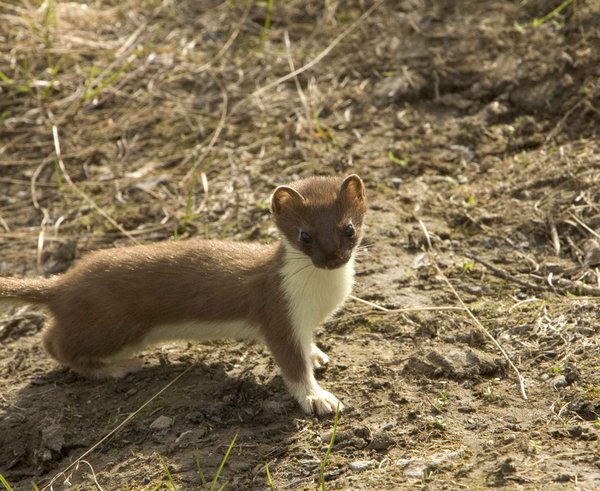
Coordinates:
<point>349,231</point>
<point>305,237</point>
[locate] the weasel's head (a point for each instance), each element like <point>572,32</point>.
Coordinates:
<point>322,217</point>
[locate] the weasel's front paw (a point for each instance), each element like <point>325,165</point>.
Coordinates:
<point>321,402</point>
<point>317,357</point>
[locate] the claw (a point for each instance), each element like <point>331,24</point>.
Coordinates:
<point>317,357</point>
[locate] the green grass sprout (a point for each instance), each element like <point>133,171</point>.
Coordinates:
<point>395,160</point>
<point>322,131</point>
<point>269,479</point>
<point>329,448</point>
<point>553,13</point>
<point>4,483</point>
<point>170,483</point>
<point>213,486</point>
<point>267,25</point>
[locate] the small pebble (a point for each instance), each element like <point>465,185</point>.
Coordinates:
<point>465,407</point>
<point>381,441</point>
<point>161,423</point>
<point>560,381</point>
<point>360,465</point>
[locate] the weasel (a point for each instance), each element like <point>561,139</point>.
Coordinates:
<point>115,302</point>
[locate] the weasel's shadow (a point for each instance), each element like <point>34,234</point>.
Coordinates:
<point>60,415</point>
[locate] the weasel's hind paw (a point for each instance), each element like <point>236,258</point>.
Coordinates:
<point>120,368</point>
<point>317,357</point>
<point>112,369</point>
<point>321,403</point>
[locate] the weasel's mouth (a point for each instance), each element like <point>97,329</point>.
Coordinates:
<point>330,264</point>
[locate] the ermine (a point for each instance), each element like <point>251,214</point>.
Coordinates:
<point>115,302</point>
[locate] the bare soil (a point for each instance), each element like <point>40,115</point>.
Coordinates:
<point>474,125</point>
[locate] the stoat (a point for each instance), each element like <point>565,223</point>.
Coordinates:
<point>115,302</point>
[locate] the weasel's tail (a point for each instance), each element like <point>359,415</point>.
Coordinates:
<point>15,290</point>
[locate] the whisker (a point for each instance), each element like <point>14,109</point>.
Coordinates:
<point>306,282</point>
<point>289,277</point>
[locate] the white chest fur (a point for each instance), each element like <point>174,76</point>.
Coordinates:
<point>313,294</point>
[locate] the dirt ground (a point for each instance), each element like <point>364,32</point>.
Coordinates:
<point>474,125</point>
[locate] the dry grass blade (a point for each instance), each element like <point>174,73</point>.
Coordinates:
<point>591,231</point>
<point>426,233</point>
<point>484,330</point>
<point>370,304</point>
<point>554,236</point>
<point>95,479</point>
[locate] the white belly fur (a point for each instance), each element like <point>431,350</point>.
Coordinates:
<point>202,331</point>
<point>313,294</point>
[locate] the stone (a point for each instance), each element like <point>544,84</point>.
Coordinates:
<point>560,381</point>
<point>404,86</point>
<point>361,465</point>
<point>457,362</point>
<point>161,423</point>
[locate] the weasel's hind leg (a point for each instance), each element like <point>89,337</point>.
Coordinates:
<point>67,353</point>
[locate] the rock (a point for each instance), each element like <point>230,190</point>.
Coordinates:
<point>458,362</point>
<point>52,441</point>
<point>161,423</point>
<point>466,153</point>
<point>396,182</point>
<point>502,471</point>
<point>405,86</point>
<point>560,381</point>
<point>591,250</point>
<point>465,407</point>
<point>535,96</point>
<point>381,441</point>
<point>131,392</point>
<point>576,432</point>
<point>361,465</point>
<point>53,436</point>
<point>562,477</point>
<point>419,468</point>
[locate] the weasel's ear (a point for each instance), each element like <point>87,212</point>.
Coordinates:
<point>284,197</point>
<point>353,188</point>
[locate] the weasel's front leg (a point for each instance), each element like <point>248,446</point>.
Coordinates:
<point>296,365</point>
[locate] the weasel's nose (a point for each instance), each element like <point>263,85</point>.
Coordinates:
<point>335,262</point>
